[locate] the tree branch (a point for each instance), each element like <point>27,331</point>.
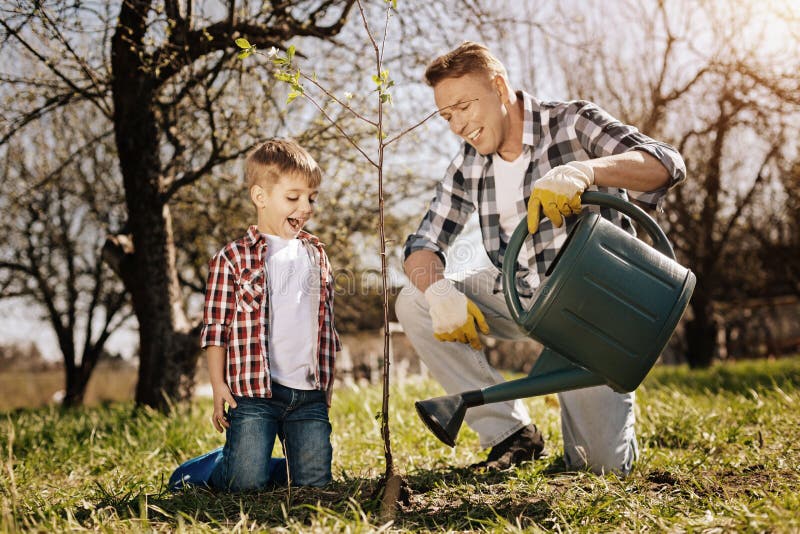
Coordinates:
<point>192,176</point>
<point>219,37</point>
<point>54,102</point>
<point>84,92</point>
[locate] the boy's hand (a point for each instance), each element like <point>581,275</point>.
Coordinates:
<point>222,395</point>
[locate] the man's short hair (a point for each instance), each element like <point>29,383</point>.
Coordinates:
<point>267,163</point>
<point>468,58</point>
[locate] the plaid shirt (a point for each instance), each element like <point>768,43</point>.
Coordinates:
<point>236,314</point>
<point>554,133</point>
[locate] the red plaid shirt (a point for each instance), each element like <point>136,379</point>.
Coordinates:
<point>236,313</point>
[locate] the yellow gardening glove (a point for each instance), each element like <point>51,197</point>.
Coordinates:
<point>558,193</point>
<point>454,316</point>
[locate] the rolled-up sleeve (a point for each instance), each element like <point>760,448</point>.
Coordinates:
<point>447,214</point>
<point>220,303</point>
<point>602,135</point>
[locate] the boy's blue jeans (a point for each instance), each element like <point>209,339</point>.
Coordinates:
<point>297,417</point>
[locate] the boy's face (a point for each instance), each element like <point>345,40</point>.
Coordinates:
<point>285,207</point>
<point>475,106</point>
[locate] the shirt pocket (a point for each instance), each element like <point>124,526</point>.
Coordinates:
<point>250,290</point>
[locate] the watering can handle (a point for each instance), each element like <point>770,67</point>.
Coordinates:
<point>660,242</point>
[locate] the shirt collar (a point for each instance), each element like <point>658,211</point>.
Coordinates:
<point>531,119</point>
<point>254,237</point>
<point>531,124</point>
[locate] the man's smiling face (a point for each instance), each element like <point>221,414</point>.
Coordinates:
<point>475,107</point>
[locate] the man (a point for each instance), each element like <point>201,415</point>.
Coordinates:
<point>519,156</point>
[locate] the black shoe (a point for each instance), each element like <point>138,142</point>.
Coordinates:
<point>524,445</point>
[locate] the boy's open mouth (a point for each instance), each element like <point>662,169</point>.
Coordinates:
<point>296,224</point>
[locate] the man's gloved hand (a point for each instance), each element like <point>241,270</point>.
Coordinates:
<point>559,193</point>
<point>454,315</point>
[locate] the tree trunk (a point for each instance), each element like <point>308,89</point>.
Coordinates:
<point>701,335</point>
<point>168,348</point>
<point>77,378</point>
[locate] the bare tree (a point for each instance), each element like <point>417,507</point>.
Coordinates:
<point>57,202</point>
<point>160,72</point>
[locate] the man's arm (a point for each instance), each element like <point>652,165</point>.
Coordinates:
<point>558,192</point>
<point>447,214</point>
<point>635,170</point>
<point>423,268</point>
<point>622,156</point>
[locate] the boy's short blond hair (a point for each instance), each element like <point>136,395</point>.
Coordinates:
<point>267,163</point>
<point>468,58</point>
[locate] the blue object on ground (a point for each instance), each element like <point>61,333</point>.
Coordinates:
<point>197,471</point>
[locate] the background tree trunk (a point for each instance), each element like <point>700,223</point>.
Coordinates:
<point>167,353</point>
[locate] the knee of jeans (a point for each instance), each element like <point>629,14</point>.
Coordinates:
<point>244,478</point>
<point>311,466</point>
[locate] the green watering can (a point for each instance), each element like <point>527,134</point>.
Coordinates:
<point>606,308</point>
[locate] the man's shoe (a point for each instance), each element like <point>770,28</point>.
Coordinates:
<point>524,445</point>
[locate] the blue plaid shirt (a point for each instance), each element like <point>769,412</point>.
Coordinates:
<point>554,133</point>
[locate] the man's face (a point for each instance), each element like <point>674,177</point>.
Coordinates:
<point>474,106</point>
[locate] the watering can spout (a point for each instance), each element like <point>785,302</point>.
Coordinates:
<point>552,373</point>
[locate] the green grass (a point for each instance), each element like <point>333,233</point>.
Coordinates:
<point>719,453</point>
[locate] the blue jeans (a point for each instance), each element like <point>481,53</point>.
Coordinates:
<point>299,418</point>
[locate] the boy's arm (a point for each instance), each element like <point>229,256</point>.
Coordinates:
<point>222,394</point>
<point>217,312</point>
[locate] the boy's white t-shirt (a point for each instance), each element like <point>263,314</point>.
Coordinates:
<point>291,336</point>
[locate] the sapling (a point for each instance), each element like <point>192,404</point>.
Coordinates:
<point>288,71</point>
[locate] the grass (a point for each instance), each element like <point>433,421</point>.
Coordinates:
<point>719,453</point>
<point>28,389</point>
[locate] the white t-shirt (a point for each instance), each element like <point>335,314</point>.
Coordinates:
<point>291,338</point>
<point>508,179</point>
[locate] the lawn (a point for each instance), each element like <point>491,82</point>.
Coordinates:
<point>719,453</point>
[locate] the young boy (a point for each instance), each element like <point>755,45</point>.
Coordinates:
<point>269,335</point>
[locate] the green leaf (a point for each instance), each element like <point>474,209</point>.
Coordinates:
<point>241,42</point>
<point>292,96</point>
<point>376,79</point>
<point>244,53</point>
<point>290,53</point>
